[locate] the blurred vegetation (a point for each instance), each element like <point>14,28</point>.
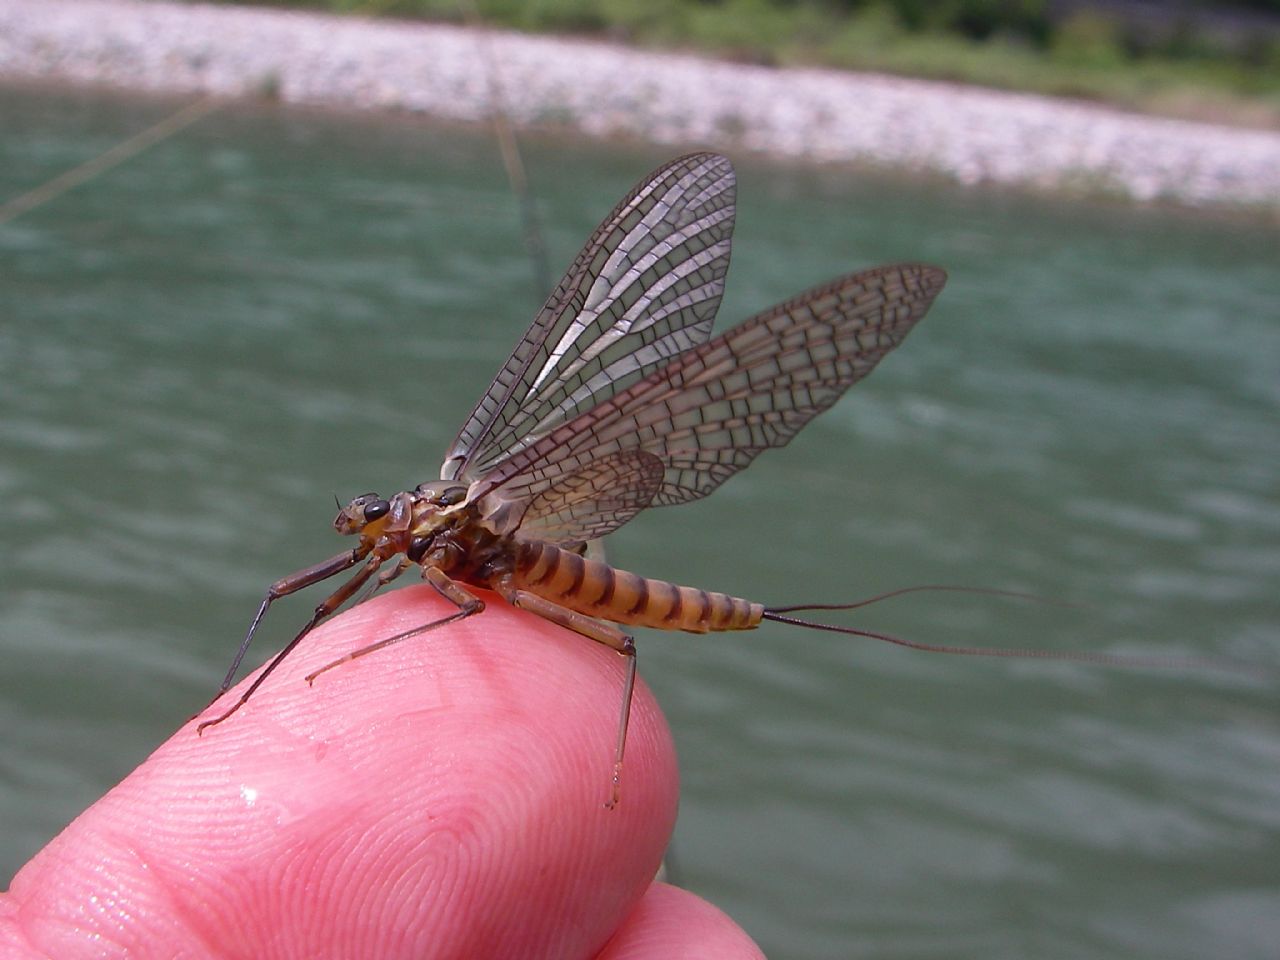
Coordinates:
<point>1201,60</point>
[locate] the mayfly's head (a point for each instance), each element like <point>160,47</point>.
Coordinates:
<point>367,513</point>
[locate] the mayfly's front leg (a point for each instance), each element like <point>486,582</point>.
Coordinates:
<point>600,632</point>
<point>294,582</point>
<point>325,609</point>
<point>459,596</point>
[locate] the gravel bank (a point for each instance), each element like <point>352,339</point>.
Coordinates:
<point>969,134</point>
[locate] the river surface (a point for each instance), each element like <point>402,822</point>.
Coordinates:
<point>200,347</point>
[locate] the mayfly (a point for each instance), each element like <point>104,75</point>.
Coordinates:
<point>617,399</point>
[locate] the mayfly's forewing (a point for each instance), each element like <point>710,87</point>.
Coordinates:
<point>710,412</point>
<point>644,289</point>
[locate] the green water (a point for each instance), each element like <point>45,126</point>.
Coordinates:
<point>199,348</point>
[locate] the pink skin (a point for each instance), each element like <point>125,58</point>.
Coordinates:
<point>441,798</point>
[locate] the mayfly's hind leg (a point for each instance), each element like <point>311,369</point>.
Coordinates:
<point>325,609</point>
<point>601,632</point>
<point>454,592</point>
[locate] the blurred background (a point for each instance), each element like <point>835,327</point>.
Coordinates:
<point>1192,58</point>
<point>226,318</point>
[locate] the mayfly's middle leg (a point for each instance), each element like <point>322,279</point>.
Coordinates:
<point>331,603</point>
<point>386,576</point>
<point>459,596</point>
<point>601,632</point>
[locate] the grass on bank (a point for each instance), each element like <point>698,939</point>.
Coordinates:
<point>1086,55</point>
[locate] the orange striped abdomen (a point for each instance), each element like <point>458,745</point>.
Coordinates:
<point>598,590</point>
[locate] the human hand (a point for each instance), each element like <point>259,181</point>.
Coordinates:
<point>440,798</point>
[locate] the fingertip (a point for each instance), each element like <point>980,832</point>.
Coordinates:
<point>459,773</point>
<point>673,924</point>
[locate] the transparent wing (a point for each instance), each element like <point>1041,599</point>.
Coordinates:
<point>644,289</point>
<point>600,498</point>
<point>709,413</point>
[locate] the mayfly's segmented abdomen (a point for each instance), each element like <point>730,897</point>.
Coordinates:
<point>598,590</point>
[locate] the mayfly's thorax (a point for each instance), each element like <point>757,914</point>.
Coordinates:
<point>439,529</point>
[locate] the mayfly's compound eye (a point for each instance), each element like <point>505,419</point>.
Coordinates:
<point>452,496</point>
<point>375,510</point>
<point>418,548</point>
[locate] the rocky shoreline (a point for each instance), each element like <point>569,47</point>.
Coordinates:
<point>968,134</point>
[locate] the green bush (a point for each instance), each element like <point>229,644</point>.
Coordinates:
<point>1088,39</point>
